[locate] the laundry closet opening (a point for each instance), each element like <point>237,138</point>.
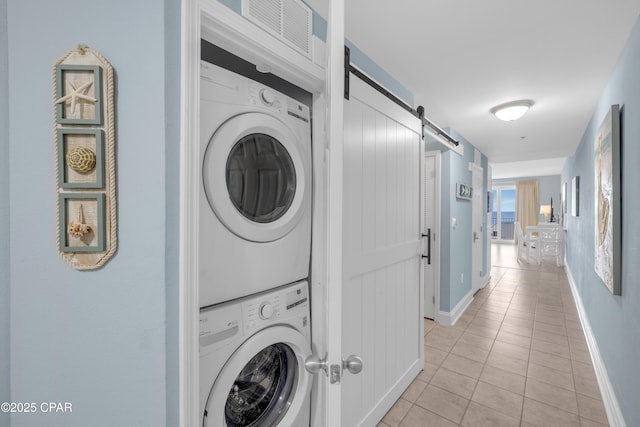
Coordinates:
<point>255,189</point>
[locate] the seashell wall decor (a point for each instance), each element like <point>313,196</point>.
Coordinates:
<point>81,159</point>
<point>84,128</point>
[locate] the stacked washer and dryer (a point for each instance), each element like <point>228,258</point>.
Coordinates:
<point>255,244</point>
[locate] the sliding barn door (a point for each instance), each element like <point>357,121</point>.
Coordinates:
<point>381,253</point>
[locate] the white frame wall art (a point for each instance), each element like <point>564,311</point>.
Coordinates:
<point>464,191</point>
<point>607,201</point>
<point>84,129</point>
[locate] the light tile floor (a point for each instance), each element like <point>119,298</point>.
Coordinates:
<point>516,357</point>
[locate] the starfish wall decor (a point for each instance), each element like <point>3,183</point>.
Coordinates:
<point>76,94</point>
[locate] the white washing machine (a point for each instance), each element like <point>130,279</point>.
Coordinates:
<point>255,197</point>
<point>252,353</point>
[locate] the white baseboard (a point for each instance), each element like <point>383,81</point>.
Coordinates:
<point>611,406</point>
<point>485,280</point>
<point>449,318</point>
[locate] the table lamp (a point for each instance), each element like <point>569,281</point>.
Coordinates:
<point>546,211</point>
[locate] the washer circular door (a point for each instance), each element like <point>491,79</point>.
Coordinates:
<point>263,383</point>
<point>255,177</point>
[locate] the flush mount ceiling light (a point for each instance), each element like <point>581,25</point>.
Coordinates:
<point>511,110</point>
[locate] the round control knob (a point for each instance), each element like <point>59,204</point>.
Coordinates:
<point>265,310</point>
<point>267,97</point>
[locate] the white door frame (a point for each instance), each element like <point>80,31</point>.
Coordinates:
<point>476,277</point>
<point>217,22</point>
<point>188,303</point>
<point>435,241</point>
<point>334,93</point>
<point>487,227</point>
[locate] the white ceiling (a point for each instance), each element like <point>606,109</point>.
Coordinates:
<point>460,58</point>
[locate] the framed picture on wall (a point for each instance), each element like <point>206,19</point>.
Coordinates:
<point>78,94</point>
<point>82,222</point>
<point>80,158</point>
<point>575,196</point>
<point>607,201</point>
<point>463,191</point>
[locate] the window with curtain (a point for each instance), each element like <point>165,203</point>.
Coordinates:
<point>527,203</point>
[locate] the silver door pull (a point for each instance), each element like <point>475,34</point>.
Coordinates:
<point>313,364</point>
<point>353,364</point>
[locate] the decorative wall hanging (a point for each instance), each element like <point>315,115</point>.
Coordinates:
<point>463,191</point>
<point>84,123</point>
<point>607,202</point>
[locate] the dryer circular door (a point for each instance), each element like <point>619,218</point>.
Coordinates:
<point>255,177</point>
<point>264,382</point>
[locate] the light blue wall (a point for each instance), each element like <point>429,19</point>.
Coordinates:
<point>235,5</point>
<point>361,61</point>
<point>548,186</point>
<point>96,339</point>
<point>615,320</point>
<point>456,251</point>
<point>5,332</point>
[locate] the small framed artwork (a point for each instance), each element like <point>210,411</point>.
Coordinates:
<point>575,196</point>
<point>82,222</point>
<point>78,94</point>
<point>80,158</point>
<point>564,198</point>
<point>463,191</point>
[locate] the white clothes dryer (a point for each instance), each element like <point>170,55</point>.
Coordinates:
<point>255,197</point>
<point>252,354</point>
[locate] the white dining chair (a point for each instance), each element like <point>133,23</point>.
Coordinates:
<point>551,244</point>
<point>525,244</point>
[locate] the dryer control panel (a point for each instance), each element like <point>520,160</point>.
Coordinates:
<point>264,96</point>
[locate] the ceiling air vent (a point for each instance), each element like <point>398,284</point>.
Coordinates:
<point>288,20</point>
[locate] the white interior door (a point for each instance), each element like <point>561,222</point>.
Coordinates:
<point>430,241</point>
<point>476,226</point>
<point>381,295</point>
<point>487,227</point>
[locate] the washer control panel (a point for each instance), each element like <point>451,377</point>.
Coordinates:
<point>224,324</point>
<point>275,306</point>
<point>266,310</point>
<point>219,324</point>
